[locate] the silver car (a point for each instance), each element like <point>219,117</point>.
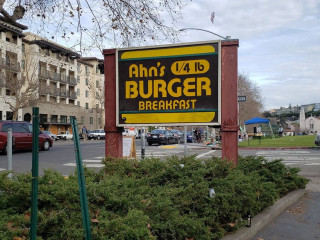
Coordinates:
<point>317,140</point>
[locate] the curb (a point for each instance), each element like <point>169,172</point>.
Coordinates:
<point>261,220</point>
<point>275,148</point>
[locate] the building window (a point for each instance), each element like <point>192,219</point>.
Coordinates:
<point>87,105</point>
<point>8,39</point>
<point>54,118</point>
<point>23,48</point>
<point>99,120</point>
<point>87,70</point>
<point>87,81</point>
<point>97,69</point>
<point>87,93</point>
<point>97,84</point>
<point>91,120</point>
<point>78,79</point>
<point>9,115</point>
<point>78,91</point>
<point>78,67</point>
<point>78,103</point>
<point>43,118</point>
<point>63,119</point>
<point>82,119</point>
<point>23,63</point>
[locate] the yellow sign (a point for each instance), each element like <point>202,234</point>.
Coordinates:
<point>169,85</point>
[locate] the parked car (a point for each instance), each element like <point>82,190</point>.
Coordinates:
<point>21,136</point>
<point>97,134</point>
<point>65,136</point>
<point>52,135</point>
<point>161,136</point>
<point>190,137</point>
<point>317,140</point>
<point>178,134</point>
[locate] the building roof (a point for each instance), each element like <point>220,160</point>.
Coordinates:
<point>32,38</point>
<point>91,59</point>
<point>13,27</point>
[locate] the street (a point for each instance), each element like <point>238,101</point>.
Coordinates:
<point>61,156</point>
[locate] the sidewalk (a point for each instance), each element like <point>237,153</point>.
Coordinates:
<point>294,217</point>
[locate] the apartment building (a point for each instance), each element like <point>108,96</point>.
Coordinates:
<point>56,79</point>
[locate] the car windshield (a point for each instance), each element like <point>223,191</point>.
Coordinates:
<point>158,131</point>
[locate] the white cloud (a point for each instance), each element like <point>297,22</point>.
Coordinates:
<point>279,43</point>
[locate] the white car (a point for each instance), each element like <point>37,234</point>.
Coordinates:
<point>97,134</point>
<point>53,136</point>
<point>65,136</point>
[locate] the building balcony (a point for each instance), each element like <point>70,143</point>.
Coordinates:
<point>64,78</point>
<point>54,76</point>
<point>63,93</point>
<point>72,81</point>
<point>44,74</point>
<point>54,92</point>
<point>43,90</point>
<point>10,65</point>
<point>73,95</point>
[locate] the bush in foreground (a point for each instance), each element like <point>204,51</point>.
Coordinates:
<point>150,199</point>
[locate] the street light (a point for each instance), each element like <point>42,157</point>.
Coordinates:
<point>225,38</point>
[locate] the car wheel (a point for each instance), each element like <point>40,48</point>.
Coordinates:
<point>177,141</point>
<point>46,146</point>
<point>166,142</point>
<point>149,143</point>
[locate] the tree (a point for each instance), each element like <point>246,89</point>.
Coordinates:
<point>95,23</point>
<point>253,105</point>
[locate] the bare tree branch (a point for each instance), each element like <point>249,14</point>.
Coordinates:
<point>87,24</point>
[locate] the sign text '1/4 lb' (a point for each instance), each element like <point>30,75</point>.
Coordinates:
<point>190,67</point>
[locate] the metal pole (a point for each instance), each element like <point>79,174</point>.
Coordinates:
<point>81,180</point>
<point>35,172</point>
<point>185,141</point>
<point>9,151</point>
<point>143,143</point>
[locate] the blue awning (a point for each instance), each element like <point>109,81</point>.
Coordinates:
<point>256,120</point>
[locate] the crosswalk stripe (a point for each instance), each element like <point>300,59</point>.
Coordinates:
<point>91,161</point>
<point>92,165</point>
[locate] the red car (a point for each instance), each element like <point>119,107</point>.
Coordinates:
<point>21,136</point>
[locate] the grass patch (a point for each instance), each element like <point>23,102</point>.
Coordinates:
<point>148,200</point>
<point>292,141</point>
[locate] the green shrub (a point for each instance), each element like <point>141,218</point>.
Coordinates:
<point>150,199</point>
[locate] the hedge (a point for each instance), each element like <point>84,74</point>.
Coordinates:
<point>149,199</point>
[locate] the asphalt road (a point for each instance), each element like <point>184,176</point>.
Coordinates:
<point>61,156</point>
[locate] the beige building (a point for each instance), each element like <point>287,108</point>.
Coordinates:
<point>64,84</point>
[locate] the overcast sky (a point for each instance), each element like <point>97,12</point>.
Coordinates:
<point>279,43</point>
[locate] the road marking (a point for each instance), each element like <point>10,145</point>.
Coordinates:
<point>203,154</point>
<point>312,164</point>
<point>93,165</point>
<point>168,147</point>
<point>91,161</point>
